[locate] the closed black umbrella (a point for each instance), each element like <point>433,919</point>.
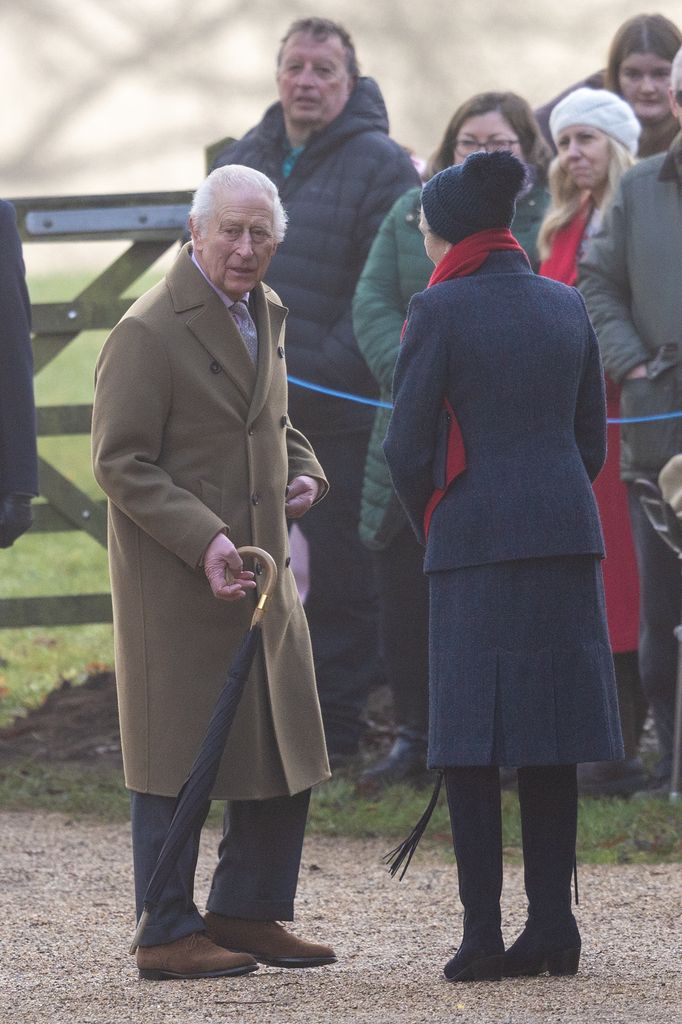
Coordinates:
<point>193,799</point>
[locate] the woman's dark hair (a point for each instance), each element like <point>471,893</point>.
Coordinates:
<point>645,33</point>
<point>515,110</point>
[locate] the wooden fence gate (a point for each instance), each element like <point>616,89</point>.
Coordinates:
<point>152,223</point>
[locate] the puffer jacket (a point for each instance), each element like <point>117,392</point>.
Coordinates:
<point>397,267</point>
<point>341,187</point>
<point>631,279</point>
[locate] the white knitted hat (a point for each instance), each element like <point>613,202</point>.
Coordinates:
<point>598,108</point>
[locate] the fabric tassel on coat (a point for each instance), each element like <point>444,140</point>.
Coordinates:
<point>405,850</point>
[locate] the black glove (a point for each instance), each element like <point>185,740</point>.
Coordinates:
<point>15,517</point>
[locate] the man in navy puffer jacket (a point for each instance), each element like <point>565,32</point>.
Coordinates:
<point>325,145</point>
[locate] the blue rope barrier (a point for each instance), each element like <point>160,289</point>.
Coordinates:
<point>648,419</point>
<point>387,405</point>
<point>339,394</point>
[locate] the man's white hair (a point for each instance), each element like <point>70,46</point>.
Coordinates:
<point>235,176</point>
<point>676,71</point>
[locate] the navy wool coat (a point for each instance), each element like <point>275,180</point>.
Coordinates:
<point>18,461</point>
<point>516,677</point>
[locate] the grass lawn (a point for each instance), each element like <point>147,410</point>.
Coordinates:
<point>34,661</point>
<point>610,831</point>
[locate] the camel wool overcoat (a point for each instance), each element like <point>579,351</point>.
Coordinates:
<point>190,438</point>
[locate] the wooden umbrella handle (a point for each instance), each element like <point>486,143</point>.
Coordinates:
<point>269,582</point>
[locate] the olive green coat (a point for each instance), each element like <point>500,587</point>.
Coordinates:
<point>189,438</point>
<point>631,280</point>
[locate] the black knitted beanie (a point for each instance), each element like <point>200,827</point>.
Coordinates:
<point>474,196</point>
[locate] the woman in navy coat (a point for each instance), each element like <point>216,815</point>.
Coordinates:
<point>498,429</point>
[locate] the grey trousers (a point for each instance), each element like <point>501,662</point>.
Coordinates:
<point>257,871</point>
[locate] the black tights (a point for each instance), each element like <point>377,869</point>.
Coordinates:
<point>548,799</point>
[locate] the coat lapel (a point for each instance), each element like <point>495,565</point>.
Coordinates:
<point>210,322</point>
<point>213,327</point>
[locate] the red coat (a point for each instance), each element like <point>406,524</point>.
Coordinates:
<point>621,581</point>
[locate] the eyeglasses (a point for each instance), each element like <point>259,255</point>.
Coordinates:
<point>465,147</point>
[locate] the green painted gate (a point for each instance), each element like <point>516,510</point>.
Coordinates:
<point>152,223</point>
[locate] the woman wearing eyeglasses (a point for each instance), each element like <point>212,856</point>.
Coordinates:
<point>596,134</point>
<point>396,268</point>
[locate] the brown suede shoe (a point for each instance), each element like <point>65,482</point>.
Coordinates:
<point>267,941</point>
<point>193,956</point>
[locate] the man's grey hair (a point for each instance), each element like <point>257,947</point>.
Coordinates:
<point>676,71</point>
<point>321,29</point>
<point>221,181</point>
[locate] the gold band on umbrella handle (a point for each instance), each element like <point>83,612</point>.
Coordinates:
<point>270,567</point>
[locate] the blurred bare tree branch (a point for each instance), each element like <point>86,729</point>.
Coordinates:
<point>79,63</point>
<point>132,90</point>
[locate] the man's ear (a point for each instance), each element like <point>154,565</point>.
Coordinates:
<point>193,231</point>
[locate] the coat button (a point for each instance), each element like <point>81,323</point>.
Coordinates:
<point>280,352</point>
<point>287,563</point>
<point>259,569</point>
<point>283,421</point>
<point>215,367</point>
<point>250,431</point>
<point>255,498</point>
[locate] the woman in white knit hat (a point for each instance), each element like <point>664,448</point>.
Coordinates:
<point>596,134</point>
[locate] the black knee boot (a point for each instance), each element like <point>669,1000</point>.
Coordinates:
<point>475,817</point>
<point>548,797</point>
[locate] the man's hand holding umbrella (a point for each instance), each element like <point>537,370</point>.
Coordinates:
<point>222,555</point>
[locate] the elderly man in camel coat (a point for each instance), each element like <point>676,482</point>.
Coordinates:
<point>193,446</point>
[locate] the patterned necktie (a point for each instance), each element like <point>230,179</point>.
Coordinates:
<point>247,328</point>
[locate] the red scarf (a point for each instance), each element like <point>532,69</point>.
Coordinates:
<point>461,260</point>
<point>562,262</point>
<point>467,256</point>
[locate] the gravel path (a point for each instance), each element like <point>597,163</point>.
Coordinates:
<point>66,924</point>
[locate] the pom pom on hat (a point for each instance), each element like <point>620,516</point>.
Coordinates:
<point>597,108</point>
<point>473,196</point>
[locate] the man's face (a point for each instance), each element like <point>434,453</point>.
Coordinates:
<point>236,245</point>
<point>313,82</point>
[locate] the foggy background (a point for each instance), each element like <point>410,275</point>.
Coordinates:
<point>107,96</point>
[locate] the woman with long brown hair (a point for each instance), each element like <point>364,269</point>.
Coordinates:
<point>638,69</point>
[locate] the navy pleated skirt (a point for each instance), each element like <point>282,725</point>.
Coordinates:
<point>521,671</point>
